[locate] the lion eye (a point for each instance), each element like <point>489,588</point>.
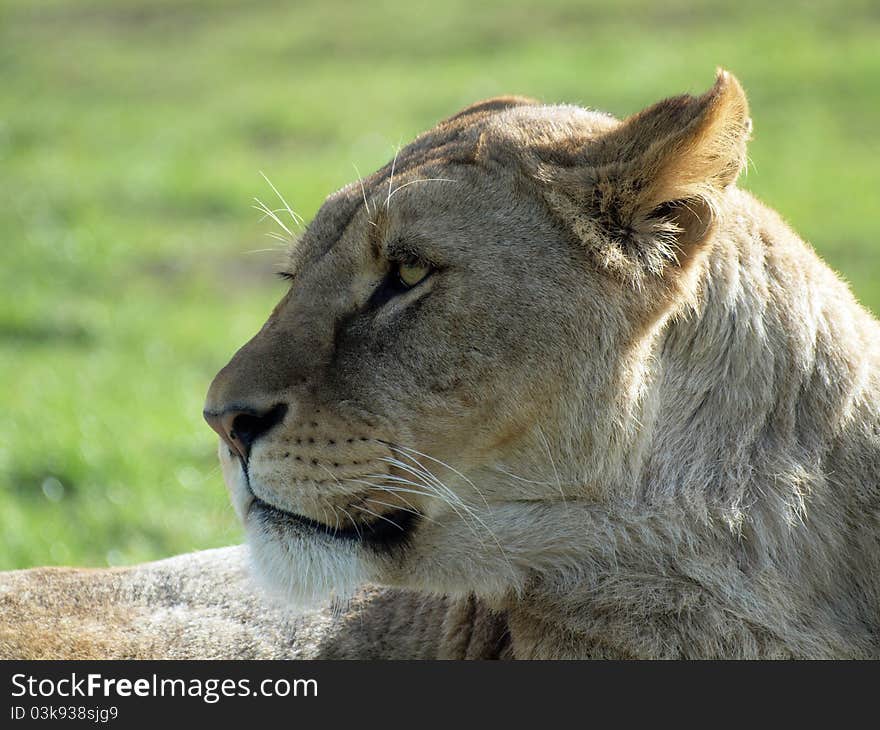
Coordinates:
<point>412,274</point>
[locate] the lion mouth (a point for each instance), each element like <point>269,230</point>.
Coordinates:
<point>383,533</point>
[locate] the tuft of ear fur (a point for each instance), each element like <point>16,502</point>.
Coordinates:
<point>645,195</point>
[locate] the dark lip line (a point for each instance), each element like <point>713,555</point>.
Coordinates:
<point>381,534</point>
<point>394,529</point>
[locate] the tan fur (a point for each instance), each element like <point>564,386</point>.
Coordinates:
<point>203,605</point>
<point>635,415</point>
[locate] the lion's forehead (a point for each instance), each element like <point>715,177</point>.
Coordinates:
<point>558,122</point>
<point>344,210</point>
<point>462,141</point>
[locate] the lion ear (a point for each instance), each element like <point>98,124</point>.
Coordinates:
<point>647,192</point>
<point>669,163</point>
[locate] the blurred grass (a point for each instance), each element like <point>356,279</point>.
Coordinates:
<point>131,136</point>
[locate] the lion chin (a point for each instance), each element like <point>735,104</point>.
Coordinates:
<point>303,570</point>
<point>293,559</point>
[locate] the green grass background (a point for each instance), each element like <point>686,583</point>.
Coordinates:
<point>132,134</point>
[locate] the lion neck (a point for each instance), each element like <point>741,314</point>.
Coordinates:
<point>746,464</point>
<point>756,386</point>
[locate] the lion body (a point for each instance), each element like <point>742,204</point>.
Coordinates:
<point>626,412</point>
<point>204,606</point>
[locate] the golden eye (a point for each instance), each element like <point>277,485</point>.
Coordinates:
<point>412,274</point>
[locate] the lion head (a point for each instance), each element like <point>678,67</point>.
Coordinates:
<point>459,357</point>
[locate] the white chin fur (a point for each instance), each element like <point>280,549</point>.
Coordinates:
<point>302,570</point>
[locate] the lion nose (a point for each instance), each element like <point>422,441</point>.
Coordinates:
<point>240,428</point>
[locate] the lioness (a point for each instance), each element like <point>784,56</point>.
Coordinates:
<point>560,388</point>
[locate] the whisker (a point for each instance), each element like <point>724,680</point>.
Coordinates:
<point>382,476</point>
<point>336,516</point>
<point>363,190</point>
<point>380,487</point>
<point>427,480</point>
<point>335,513</point>
<point>275,249</point>
<point>453,501</point>
<point>443,492</point>
<point>324,514</point>
<point>370,512</point>
<point>447,466</point>
<point>457,506</point>
<point>299,220</point>
<point>418,473</point>
<point>470,511</point>
<point>397,491</point>
<point>330,474</point>
<point>391,178</point>
<point>353,523</point>
<point>274,210</point>
<point>263,207</point>
<point>403,509</point>
<point>433,482</point>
